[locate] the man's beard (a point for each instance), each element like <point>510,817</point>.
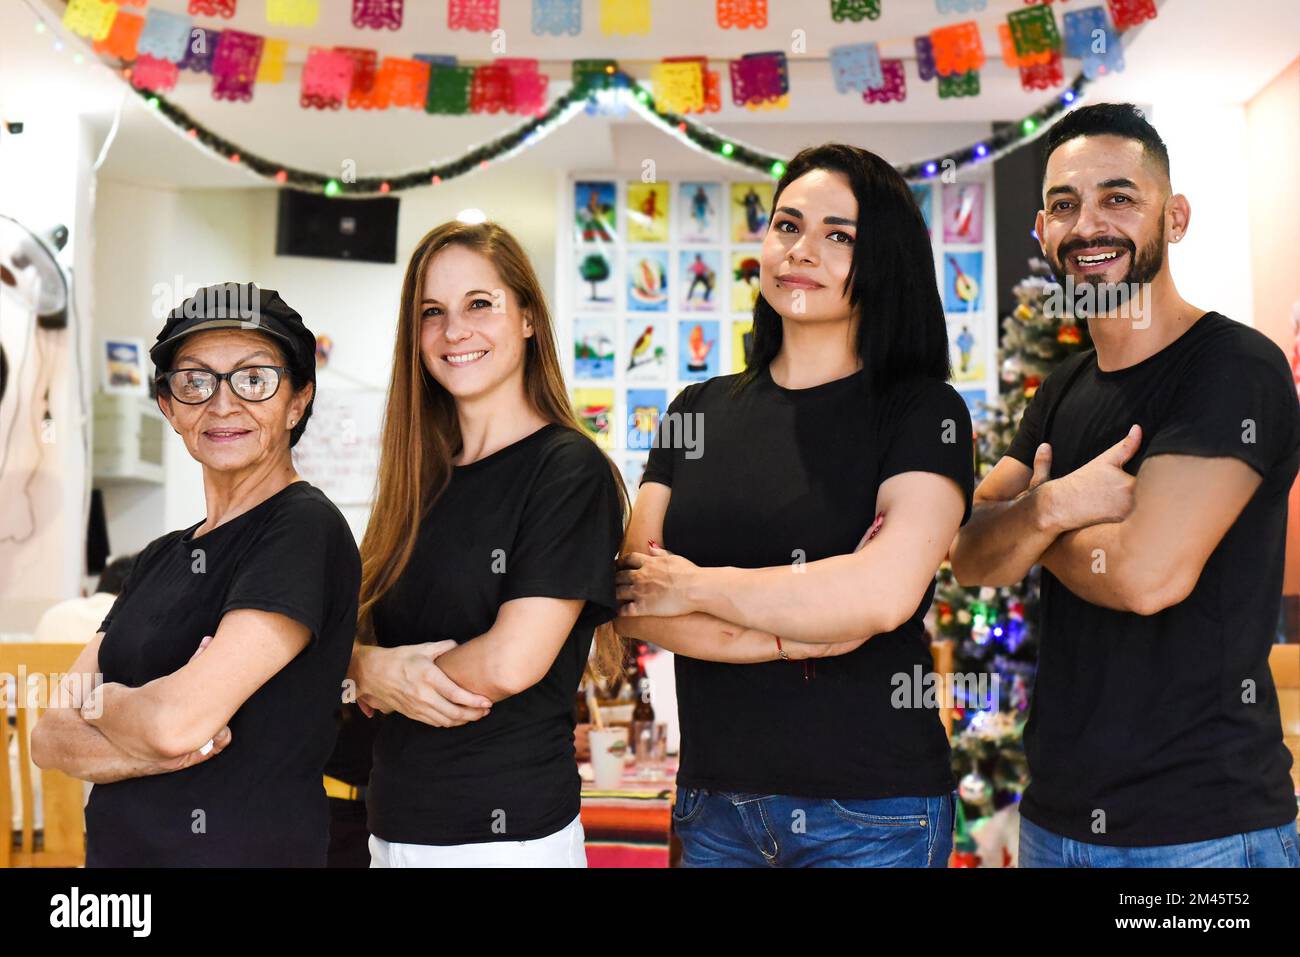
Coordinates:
<point>1143,267</point>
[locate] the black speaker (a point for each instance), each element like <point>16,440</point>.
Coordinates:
<point>313,225</point>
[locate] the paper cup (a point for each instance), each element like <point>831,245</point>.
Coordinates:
<point>608,753</point>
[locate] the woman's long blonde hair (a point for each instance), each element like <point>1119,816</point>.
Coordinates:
<point>421,432</point>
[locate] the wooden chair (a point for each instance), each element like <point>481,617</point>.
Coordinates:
<point>62,838</point>
<point>1284,663</point>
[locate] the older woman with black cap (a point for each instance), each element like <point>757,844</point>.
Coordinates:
<point>223,658</point>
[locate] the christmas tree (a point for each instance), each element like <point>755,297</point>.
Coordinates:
<point>992,629</point>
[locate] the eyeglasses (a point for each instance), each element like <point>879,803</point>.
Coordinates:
<point>250,383</point>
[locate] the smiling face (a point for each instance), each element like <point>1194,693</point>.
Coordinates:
<point>1105,207</point>
<point>472,331</point>
<point>808,248</point>
<point>227,433</point>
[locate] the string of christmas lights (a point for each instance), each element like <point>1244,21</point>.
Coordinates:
<point>611,88</point>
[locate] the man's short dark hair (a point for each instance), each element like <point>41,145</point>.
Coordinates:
<point>1108,119</point>
<point>113,577</point>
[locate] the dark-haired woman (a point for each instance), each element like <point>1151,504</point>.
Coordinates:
<point>842,423</point>
<point>487,565</point>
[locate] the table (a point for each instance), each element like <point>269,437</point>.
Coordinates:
<point>630,826</point>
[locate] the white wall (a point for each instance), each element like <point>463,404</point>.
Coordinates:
<point>44,180</point>
<point>1209,164</point>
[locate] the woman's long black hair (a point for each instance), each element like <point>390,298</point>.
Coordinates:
<point>891,281</point>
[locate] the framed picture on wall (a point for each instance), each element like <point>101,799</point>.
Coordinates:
<point>698,273</point>
<point>751,208</point>
<point>595,211</point>
<point>647,212</point>
<point>647,350</point>
<point>647,280</point>
<point>700,208</point>
<point>963,213</point>
<point>594,277</point>
<point>125,367</point>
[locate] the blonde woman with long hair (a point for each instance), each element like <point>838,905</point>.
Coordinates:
<point>487,565</point>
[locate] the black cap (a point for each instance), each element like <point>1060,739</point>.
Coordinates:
<point>234,305</point>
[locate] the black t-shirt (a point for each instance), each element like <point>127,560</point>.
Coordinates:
<point>541,517</point>
<point>260,802</point>
<point>1142,718</point>
<point>790,474</point>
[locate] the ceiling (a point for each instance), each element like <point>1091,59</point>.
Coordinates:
<point>1196,50</point>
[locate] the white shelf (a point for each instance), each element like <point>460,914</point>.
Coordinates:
<point>128,445</point>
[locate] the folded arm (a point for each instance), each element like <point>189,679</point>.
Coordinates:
<point>517,651</point>
<point>842,598</point>
<point>64,741</point>
<point>1019,513</point>
<point>180,712</point>
<point>1010,526</point>
<point>1152,559</point>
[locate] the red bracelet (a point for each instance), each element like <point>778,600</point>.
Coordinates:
<point>779,650</point>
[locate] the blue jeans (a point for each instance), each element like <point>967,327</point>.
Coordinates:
<point>725,829</point>
<point>1271,847</point>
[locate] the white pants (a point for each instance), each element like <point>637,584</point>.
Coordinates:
<point>564,848</point>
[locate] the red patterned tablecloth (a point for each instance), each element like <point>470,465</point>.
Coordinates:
<point>630,826</point>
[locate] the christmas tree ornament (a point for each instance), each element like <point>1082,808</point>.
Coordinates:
<point>975,789</point>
